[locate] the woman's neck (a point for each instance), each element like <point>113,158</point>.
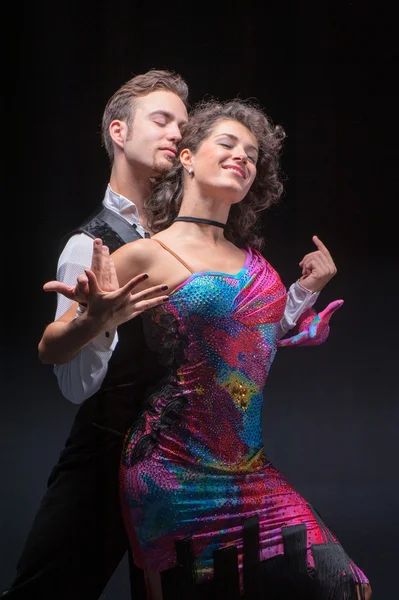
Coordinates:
<point>212,209</point>
<point>204,209</point>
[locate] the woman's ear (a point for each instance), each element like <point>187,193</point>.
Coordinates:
<point>187,159</point>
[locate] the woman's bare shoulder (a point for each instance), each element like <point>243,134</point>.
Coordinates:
<point>135,257</point>
<point>139,250</point>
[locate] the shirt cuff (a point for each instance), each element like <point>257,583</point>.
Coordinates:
<point>304,294</point>
<point>106,341</point>
<point>299,299</point>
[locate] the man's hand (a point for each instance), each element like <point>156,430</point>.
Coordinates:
<point>104,270</point>
<point>318,267</point>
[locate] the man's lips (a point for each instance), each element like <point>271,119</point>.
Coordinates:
<point>236,169</point>
<point>169,151</point>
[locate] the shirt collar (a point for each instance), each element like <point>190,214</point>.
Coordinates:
<point>121,205</point>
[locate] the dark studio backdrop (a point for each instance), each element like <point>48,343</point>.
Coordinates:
<point>327,74</point>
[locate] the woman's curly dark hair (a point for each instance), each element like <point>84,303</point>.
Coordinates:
<point>164,203</point>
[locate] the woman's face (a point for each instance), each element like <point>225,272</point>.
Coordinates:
<point>225,162</point>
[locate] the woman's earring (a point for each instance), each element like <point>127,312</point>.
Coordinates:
<point>191,171</point>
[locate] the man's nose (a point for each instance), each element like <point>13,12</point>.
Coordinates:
<point>174,133</point>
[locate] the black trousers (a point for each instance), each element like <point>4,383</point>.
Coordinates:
<point>77,538</point>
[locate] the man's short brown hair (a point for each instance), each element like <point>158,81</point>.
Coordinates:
<point>121,105</point>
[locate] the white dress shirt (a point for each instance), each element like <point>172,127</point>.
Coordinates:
<point>81,377</point>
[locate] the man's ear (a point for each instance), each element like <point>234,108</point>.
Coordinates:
<point>118,132</point>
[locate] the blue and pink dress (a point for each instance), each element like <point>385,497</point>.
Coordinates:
<point>194,465</point>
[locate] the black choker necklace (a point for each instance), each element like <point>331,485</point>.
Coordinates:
<point>198,220</point>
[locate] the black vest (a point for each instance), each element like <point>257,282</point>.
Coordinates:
<point>133,368</point>
<point>110,227</point>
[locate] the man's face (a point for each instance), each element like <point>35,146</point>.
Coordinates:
<point>155,133</point>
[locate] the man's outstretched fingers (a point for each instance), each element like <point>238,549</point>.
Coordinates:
<point>82,282</point>
<point>96,261</point>
<point>56,286</point>
<point>104,280</point>
<point>113,277</point>
<point>92,282</point>
<point>68,291</point>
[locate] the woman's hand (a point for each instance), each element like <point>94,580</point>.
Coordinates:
<point>98,291</point>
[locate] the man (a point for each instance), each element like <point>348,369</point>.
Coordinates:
<point>77,538</point>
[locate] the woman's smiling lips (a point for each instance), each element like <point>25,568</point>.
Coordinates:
<point>236,169</point>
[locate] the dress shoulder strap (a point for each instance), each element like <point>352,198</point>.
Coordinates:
<point>173,254</point>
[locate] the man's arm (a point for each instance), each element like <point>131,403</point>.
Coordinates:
<point>63,339</point>
<point>318,268</point>
<point>77,256</point>
<point>82,376</point>
<point>107,306</point>
<point>80,345</point>
<point>299,300</point>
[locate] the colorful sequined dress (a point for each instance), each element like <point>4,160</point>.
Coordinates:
<point>194,465</point>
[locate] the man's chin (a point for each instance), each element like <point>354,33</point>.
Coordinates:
<point>161,167</point>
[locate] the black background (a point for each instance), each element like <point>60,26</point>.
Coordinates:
<point>326,72</point>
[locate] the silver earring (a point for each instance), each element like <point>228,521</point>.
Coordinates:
<point>191,171</point>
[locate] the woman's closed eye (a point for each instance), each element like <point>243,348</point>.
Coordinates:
<point>250,157</point>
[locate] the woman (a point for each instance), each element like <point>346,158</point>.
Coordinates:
<point>194,465</point>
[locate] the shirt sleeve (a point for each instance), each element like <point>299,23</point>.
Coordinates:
<point>299,299</point>
<point>81,377</point>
